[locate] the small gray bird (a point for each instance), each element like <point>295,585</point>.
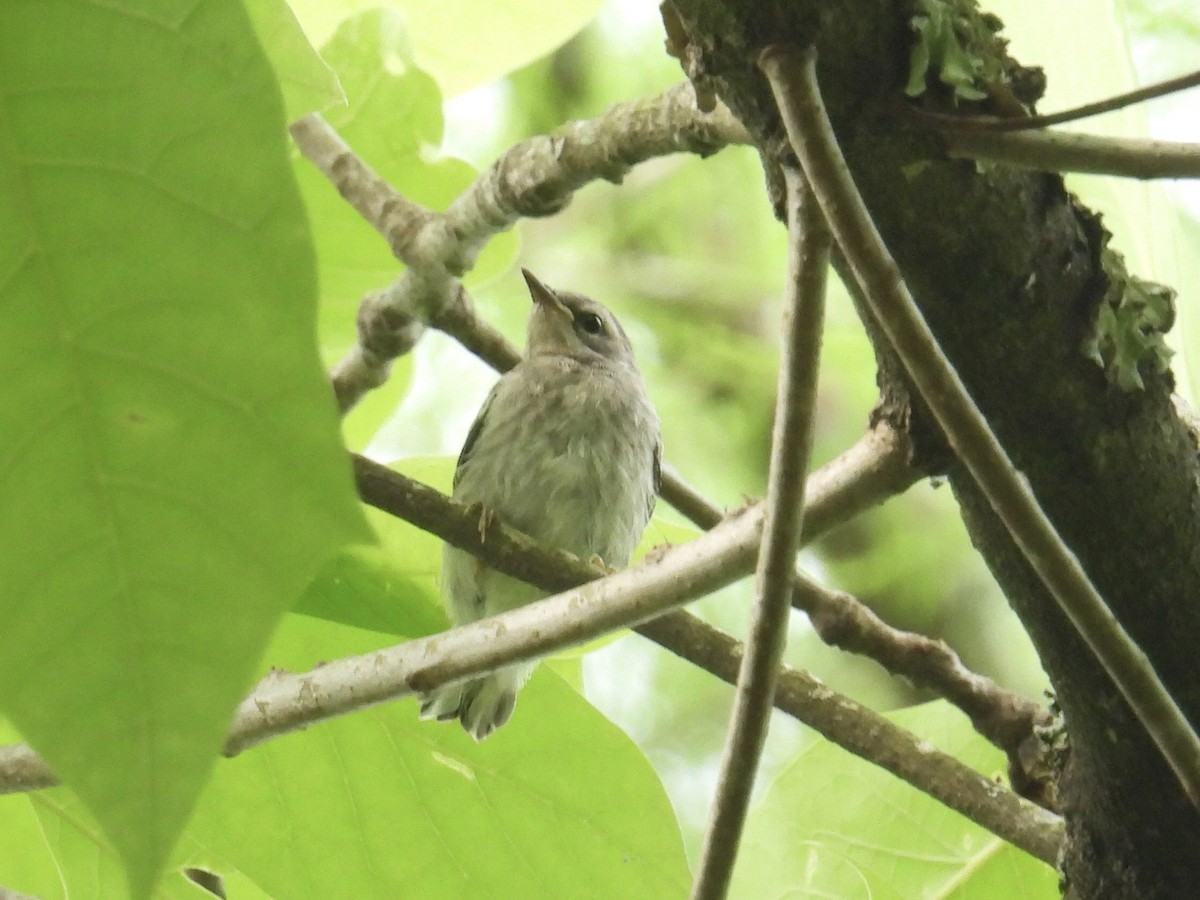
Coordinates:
<point>565,448</point>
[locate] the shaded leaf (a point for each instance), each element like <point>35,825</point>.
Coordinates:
<point>380,804</point>
<point>172,475</point>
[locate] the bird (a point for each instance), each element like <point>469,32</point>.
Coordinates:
<point>565,448</point>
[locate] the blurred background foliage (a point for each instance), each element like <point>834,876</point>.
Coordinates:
<point>687,253</point>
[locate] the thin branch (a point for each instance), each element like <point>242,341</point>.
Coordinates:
<point>534,178</point>
<point>873,737</point>
<point>539,176</point>
<point>832,496</point>
<point>791,447</point>
<point>406,225</point>
<point>872,470</point>
<point>285,702</point>
<point>1054,151</point>
<point>1111,104</point>
<point>792,75</point>
<point>1004,718</point>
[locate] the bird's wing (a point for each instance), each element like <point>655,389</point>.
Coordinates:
<point>655,478</point>
<point>473,434</point>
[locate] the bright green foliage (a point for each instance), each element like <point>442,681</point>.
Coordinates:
<point>952,36</point>
<point>1130,324</point>
<point>169,186</point>
<point>172,475</point>
<point>380,804</point>
<point>307,81</point>
<point>464,43</point>
<point>832,825</point>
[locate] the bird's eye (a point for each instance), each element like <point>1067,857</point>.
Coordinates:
<point>591,323</point>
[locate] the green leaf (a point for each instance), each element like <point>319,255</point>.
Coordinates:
<point>53,849</point>
<point>172,472</point>
<point>364,587</point>
<point>464,43</point>
<point>308,84</point>
<point>832,825</point>
<point>380,804</point>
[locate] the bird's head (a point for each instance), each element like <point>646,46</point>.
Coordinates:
<point>567,324</point>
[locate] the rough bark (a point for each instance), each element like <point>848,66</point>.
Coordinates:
<point>1005,266</point>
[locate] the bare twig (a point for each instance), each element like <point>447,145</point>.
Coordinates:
<point>538,177</point>
<point>534,178</point>
<point>873,737</point>
<point>396,217</point>
<point>792,74</point>
<point>1111,104</point>
<point>831,497</point>
<point>872,470</point>
<point>1053,151</point>
<point>285,702</point>
<point>1004,718</point>
<point>791,446</point>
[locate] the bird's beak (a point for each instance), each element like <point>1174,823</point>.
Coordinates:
<point>545,297</point>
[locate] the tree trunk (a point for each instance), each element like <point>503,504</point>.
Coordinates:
<point>1005,266</point>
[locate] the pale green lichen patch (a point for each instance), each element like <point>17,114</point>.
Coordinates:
<point>957,45</point>
<point>1127,335</point>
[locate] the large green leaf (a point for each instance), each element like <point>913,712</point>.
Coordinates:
<point>558,803</point>
<point>172,473</point>
<point>832,825</point>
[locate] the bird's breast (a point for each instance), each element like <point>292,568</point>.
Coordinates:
<point>567,457</point>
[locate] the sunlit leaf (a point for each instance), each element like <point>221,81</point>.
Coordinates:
<point>463,43</point>
<point>832,825</point>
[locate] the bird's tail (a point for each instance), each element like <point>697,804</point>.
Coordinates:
<point>482,705</point>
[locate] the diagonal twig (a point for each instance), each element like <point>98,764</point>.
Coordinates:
<point>791,446</point>
<point>873,469</point>
<point>1057,151</point>
<point>534,178</point>
<point>1109,104</point>
<point>285,702</point>
<point>792,75</point>
<point>873,737</point>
